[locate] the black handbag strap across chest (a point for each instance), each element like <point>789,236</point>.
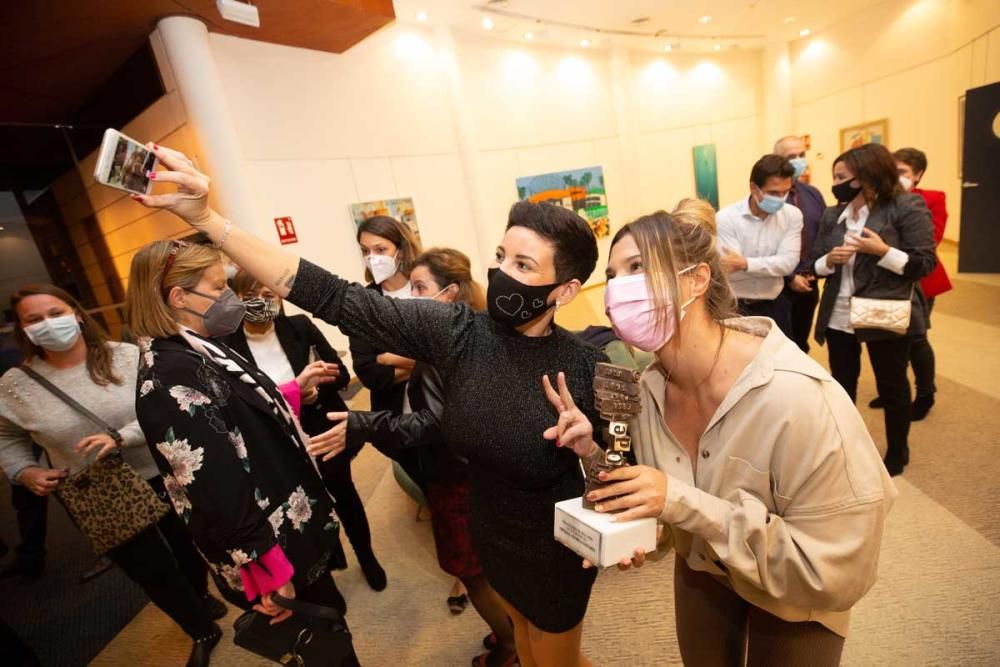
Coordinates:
<point>73,403</point>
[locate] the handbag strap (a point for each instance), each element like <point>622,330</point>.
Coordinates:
<point>70,401</point>
<point>307,608</point>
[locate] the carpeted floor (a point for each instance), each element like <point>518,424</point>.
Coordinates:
<point>937,601</point>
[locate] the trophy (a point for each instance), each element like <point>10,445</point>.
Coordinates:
<point>616,397</point>
<point>597,536</point>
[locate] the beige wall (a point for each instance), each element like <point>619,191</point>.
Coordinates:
<point>906,61</point>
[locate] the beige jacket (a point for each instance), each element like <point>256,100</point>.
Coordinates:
<point>790,496</point>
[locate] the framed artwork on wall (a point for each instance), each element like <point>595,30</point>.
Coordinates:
<point>401,209</point>
<point>579,190</point>
<point>706,174</point>
<point>871,132</point>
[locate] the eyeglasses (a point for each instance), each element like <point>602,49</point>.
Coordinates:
<point>175,246</point>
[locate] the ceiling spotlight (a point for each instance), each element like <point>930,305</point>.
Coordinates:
<point>422,16</point>
<point>705,19</point>
<point>805,32</point>
<point>584,43</point>
<point>529,36</point>
<point>239,12</point>
<point>788,19</point>
<point>488,23</point>
<point>717,47</point>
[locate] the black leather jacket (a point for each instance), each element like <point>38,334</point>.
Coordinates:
<point>393,433</point>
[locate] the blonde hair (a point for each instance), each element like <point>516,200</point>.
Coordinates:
<point>151,277</point>
<point>671,242</point>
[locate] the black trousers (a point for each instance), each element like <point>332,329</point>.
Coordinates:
<point>336,474</point>
<point>778,309</point>
<point>922,360</point>
<point>32,521</point>
<point>802,309</point>
<point>889,359</point>
<point>174,577</point>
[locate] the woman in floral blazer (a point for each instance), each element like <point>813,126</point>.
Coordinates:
<point>231,451</point>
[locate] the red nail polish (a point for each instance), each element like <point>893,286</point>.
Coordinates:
<point>152,175</point>
<point>156,147</point>
<point>136,197</point>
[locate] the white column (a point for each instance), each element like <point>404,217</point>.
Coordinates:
<point>185,41</point>
<point>776,93</point>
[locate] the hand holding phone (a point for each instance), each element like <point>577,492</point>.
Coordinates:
<point>123,163</point>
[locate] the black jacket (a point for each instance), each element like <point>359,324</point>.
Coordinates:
<point>237,473</point>
<point>904,223</point>
<point>386,393</point>
<point>298,335</point>
<point>392,434</point>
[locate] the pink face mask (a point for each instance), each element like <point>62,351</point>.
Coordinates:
<point>633,313</point>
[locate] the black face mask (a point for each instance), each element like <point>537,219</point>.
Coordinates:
<point>845,192</point>
<point>513,303</point>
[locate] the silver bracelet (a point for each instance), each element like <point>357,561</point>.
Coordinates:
<point>225,235</point>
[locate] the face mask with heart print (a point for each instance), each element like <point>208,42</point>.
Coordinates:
<point>513,303</point>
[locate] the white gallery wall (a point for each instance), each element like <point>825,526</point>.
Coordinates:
<point>908,62</point>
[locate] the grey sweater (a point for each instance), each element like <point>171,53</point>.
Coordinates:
<point>29,412</point>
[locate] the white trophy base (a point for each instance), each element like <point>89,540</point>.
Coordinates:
<point>594,536</point>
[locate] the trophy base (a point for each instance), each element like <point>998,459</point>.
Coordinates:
<point>594,536</point>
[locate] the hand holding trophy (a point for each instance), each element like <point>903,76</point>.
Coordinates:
<point>597,536</point>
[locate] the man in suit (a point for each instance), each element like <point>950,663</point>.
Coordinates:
<point>800,286</point>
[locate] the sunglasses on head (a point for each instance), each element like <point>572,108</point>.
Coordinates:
<point>175,246</point>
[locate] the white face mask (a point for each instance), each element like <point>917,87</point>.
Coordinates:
<point>382,267</point>
<point>56,334</point>
<point>906,182</point>
<point>432,298</point>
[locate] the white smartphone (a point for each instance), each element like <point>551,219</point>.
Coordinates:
<point>124,163</point>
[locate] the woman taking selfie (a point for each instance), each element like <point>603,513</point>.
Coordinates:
<point>756,464</point>
<point>876,243</point>
<point>281,346</point>
<point>443,275</point>
<point>516,476</point>
<point>231,450</point>
<point>68,348</point>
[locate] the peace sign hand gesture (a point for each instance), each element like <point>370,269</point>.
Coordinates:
<point>573,430</point>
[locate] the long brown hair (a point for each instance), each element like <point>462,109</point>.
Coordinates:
<point>99,357</point>
<point>671,242</point>
<point>451,267</point>
<point>156,268</point>
<point>874,167</point>
<point>399,234</point>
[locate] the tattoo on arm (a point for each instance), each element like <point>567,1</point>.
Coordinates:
<point>286,279</point>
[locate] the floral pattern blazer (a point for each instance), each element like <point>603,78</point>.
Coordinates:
<point>234,464</point>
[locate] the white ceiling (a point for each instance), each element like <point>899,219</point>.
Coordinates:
<point>745,24</point>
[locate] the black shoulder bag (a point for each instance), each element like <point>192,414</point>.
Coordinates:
<point>313,635</point>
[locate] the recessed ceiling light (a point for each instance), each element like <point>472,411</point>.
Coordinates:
<point>805,32</point>
<point>705,19</point>
<point>529,36</point>
<point>788,19</point>
<point>488,23</point>
<point>584,43</point>
<point>422,16</point>
<point>717,47</point>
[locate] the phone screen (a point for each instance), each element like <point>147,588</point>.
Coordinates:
<point>130,164</point>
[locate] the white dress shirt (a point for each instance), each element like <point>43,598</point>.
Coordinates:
<point>894,260</point>
<point>772,247</point>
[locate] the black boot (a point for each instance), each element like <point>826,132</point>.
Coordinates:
<point>374,574</point>
<point>201,652</point>
<point>921,406</point>
<point>213,607</point>
<point>876,403</point>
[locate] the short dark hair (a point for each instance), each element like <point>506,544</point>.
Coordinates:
<point>574,241</point>
<point>914,157</point>
<point>769,166</point>
<point>874,167</point>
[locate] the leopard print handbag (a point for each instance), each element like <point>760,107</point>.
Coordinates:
<point>108,500</point>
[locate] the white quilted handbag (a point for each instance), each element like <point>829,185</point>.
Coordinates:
<point>886,314</point>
